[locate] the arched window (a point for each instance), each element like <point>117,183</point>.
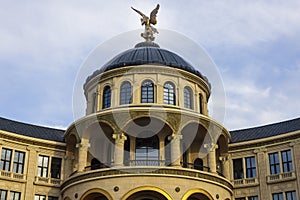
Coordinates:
<point>147,92</point>
<point>169,93</point>
<point>126,93</point>
<point>106,97</point>
<point>188,98</point>
<point>200,103</point>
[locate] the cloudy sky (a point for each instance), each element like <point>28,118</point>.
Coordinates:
<point>254,44</point>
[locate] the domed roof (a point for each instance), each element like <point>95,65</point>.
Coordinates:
<point>147,53</point>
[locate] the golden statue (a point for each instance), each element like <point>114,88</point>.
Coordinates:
<point>149,30</point>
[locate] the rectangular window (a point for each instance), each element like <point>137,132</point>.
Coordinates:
<point>5,159</point>
<point>15,195</point>
<point>250,167</point>
<point>43,166</point>
<point>3,194</point>
<point>242,198</point>
<point>238,168</point>
<point>277,196</point>
<point>274,163</point>
<point>253,198</point>
<point>290,195</point>
<point>55,167</point>
<point>286,157</point>
<point>18,165</point>
<point>39,197</point>
<point>52,198</point>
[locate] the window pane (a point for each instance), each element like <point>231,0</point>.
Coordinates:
<point>106,97</point>
<point>188,98</point>
<point>253,198</point>
<point>291,195</point>
<point>15,195</point>
<point>43,166</point>
<point>286,158</point>
<point>3,194</point>
<point>169,93</point>
<point>238,169</point>
<point>147,92</point>
<point>274,163</point>
<point>126,93</point>
<point>5,159</point>
<point>18,165</point>
<point>250,167</point>
<point>277,196</point>
<point>55,167</point>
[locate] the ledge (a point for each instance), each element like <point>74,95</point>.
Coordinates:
<point>286,176</point>
<point>145,171</point>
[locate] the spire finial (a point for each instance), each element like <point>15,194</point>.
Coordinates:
<point>149,31</point>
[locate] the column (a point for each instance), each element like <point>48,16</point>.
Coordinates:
<point>82,153</point>
<point>175,149</point>
<point>225,166</point>
<point>262,172</point>
<point>212,158</point>
<point>31,171</point>
<point>119,148</point>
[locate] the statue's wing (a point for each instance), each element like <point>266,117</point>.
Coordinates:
<point>142,14</point>
<point>153,15</point>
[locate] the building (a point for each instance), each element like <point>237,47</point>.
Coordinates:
<point>147,136</point>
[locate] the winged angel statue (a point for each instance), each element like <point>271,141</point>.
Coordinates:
<point>149,30</point>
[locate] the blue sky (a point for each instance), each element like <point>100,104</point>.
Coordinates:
<point>255,45</point>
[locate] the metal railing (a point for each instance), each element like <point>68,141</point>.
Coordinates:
<point>197,167</point>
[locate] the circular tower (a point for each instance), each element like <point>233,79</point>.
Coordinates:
<point>147,133</point>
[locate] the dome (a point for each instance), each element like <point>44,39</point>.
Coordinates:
<point>147,53</point>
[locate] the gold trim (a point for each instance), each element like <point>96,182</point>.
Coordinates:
<point>196,190</point>
<point>144,188</point>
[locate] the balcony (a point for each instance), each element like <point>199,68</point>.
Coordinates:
<point>246,182</point>
<point>12,175</point>
<point>47,181</point>
<point>285,176</point>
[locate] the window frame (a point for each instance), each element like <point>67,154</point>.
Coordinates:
<point>188,97</point>
<point>293,195</point>
<point>14,197</point>
<point>147,92</point>
<point>106,97</point>
<point>274,163</point>
<point>39,197</point>
<point>250,169</point>
<point>18,165</point>
<point>125,93</point>
<point>5,162</point>
<point>41,168</point>
<point>169,93</point>
<point>279,196</point>
<point>53,167</point>
<point>287,165</point>
<point>3,194</point>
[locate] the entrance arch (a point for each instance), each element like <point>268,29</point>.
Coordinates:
<point>147,193</point>
<point>197,194</point>
<point>96,194</point>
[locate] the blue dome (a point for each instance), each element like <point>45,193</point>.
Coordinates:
<point>147,53</point>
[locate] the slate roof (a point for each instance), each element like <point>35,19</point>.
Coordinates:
<point>32,130</point>
<point>147,53</point>
<point>265,131</point>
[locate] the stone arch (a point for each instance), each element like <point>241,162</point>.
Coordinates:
<point>99,137</point>
<point>197,194</point>
<point>195,138</point>
<point>96,193</point>
<point>151,191</point>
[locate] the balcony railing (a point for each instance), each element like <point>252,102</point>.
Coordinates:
<point>281,177</point>
<point>13,175</point>
<point>192,166</point>
<point>47,180</point>
<point>245,181</point>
